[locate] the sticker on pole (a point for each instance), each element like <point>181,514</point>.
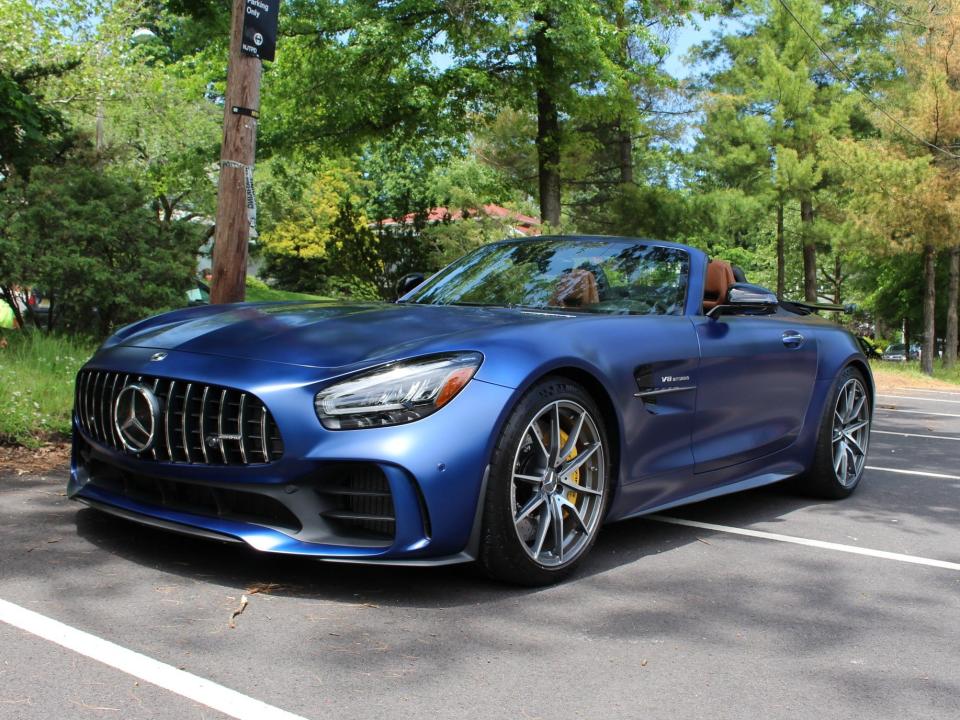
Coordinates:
<point>260,28</point>
<point>251,200</point>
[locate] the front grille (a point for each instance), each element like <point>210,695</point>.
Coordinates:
<point>194,498</point>
<point>199,424</point>
<point>360,499</point>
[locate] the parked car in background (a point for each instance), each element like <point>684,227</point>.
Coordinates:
<point>199,294</point>
<point>897,352</point>
<point>38,307</point>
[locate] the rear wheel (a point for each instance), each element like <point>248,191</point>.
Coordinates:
<point>841,452</point>
<point>548,486</point>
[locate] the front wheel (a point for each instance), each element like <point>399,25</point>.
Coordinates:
<point>548,488</point>
<point>841,452</point>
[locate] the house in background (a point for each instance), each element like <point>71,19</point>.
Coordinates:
<point>517,224</point>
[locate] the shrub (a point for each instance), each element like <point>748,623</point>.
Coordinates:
<point>89,239</point>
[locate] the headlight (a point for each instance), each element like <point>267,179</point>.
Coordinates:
<point>396,393</point>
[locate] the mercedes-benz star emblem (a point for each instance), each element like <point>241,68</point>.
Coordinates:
<point>157,357</point>
<point>136,415</point>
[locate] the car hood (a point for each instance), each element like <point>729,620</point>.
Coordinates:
<point>323,335</point>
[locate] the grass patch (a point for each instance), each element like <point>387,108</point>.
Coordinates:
<point>909,372</point>
<point>259,291</point>
<point>37,372</point>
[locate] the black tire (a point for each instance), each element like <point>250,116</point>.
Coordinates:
<point>823,479</point>
<point>509,549</point>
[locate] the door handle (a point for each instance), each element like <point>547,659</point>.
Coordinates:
<point>792,339</point>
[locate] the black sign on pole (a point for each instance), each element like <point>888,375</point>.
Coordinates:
<point>260,28</point>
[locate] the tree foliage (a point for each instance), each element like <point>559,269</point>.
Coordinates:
<point>90,241</point>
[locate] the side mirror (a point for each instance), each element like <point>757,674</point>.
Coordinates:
<point>408,282</point>
<point>747,299</point>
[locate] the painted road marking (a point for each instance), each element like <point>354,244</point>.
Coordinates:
<point>925,399</point>
<point>914,472</point>
<point>903,434</point>
<point>917,412</point>
<point>940,392</point>
<point>196,688</point>
<point>810,543</point>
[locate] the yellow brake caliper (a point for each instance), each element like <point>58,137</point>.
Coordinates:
<point>575,475</point>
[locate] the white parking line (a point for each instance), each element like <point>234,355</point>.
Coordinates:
<point>928,390</point>
<point>810,543</point>
<point>914,397</point>
<point>874,431</point>
<point>914,472</point>
<point>196,688</point>
<point>917,412</point>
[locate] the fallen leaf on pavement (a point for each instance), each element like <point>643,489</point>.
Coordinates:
<point>236,613</point>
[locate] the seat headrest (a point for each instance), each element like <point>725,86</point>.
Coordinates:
<point>719,279</point>
<point>576,288</point>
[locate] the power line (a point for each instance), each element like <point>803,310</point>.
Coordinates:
<point>860,90</point>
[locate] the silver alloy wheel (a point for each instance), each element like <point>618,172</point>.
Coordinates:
<point>558,483</point>
<point>851,432</point>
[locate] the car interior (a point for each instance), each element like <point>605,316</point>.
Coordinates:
<point>582,287</point>
<point>719,278</point>
<point>576,288</point>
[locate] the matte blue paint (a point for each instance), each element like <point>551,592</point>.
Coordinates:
<point>751,419</point>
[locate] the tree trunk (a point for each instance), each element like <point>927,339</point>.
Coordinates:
<point>837,279</point>
<point>624,136</point>
<point>950,346</point>
<point>50,311</point>
<point>906,339</point>
<point>548,122</point>
<point>625,148</point>
<point>781,255</point>
<point>809,251</point>
<point>929,305</point>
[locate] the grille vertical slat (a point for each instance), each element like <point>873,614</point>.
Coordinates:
<point>166,419</point>
<point>220,410</point>
<point>79,401</point>
<point>183,419</point>
<point>112,411</point>
<point>240,433</point>
<point>153,450</point>
<point>95,416</point>
<point>203,423</point>
<point>84,416</point>
<point>98,406</point>
<point>104,418</point>
<point>86,402</point>
<point>185,422</point>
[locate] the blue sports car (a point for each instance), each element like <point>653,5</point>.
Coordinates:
<point>499,412</point>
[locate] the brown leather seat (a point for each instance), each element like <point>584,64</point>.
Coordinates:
<point>719,279</point>
<point>576,288</point>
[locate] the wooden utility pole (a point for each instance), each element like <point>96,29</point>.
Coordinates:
<point>237,154</point>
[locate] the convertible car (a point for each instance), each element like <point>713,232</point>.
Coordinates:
<point>499,412</point>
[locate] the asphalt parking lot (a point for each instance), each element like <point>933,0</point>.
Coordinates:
<point>827,610</point>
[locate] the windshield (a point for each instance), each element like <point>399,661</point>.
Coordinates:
<point>599,276</point>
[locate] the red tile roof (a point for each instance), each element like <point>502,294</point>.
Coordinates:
<point>523,224</point>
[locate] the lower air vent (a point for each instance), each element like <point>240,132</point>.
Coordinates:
<point>359,499</point>
<point>194,498</point>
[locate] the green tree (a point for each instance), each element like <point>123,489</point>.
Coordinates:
<point>783,84</point>
<point>89,238</point>
<point>371,70</point>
